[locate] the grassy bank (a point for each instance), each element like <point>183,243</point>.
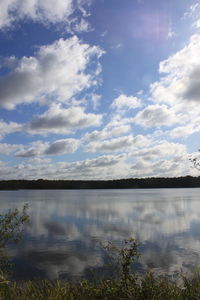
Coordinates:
<point>149,287</point>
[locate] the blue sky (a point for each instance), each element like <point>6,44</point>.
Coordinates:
<point>99,89</point>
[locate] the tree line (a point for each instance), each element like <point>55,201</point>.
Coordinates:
<point>132,183</point>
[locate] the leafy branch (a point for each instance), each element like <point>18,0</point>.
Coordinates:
<point>11,225</point>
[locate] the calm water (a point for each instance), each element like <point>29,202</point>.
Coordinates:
<point>67,226</point>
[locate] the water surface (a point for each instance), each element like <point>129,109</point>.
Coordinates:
<point>67,227</point>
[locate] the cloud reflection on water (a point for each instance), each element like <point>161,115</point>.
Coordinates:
<point>66,229</point>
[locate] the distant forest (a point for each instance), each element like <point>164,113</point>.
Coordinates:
<point>131,183</point>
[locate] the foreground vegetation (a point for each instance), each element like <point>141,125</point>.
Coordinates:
<point>126,284</point>
<point>148,288</point>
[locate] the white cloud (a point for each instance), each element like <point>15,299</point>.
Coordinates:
<point>192,92</point>
<point>125,102</point>
<point>5,7</point>
<point>119,130</point>
<point>39,160</point>
<point>160,168</point>
<point>82,26</point>
<point>101,161</point>
<point>107,132</point>
<point>157,115</point>
<point>37,149</point>
<point>164,149</point>
<point>7,128</point>
<point>57,71</point>
<point>103,167</point>
<point>45,11</point>
<point>176,95</point>
<point>197,24</point>
<point>195,15</point>
<point>180,84</point>
<point>7,149</point>
<point>58,147</point>
<point>91,100</point>
<point>60,120</point>
<point>194,11</point>
<point>194,7</point>
<point>186,130</point>
<point>171,34</point>
<point>117,120</point>
<point>62,146</point>
<point>124,143</point>
<point>95,98</point>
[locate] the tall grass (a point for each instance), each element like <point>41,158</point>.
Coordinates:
<point>149,287</point>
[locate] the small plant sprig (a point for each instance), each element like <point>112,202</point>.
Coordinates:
<point>11,225</point>
<point>123,258</point>
<point>195,161</point>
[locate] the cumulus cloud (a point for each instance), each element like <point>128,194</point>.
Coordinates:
<point>45,11</point>
<point>102,167</point>
<point>117,120</point>
<point>7,149</point>
<point>107,132</point>
<point>124,143</point>
<point>176,94</point>
<point>7,128</point>
<point>58,147</point>
<point>180,84</point>
<point>101,161</point>
<point>157,115</point>
<point>37,149</point>
<point>193,89</point>
<point>160,168</point>
<point>186,130</point>
<point>62,146</point>
<point>164,149</point>
<point>125,102</point>
<point>60,120</point>
<point>57,71</point>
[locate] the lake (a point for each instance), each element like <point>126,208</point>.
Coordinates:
<point>67,227</point>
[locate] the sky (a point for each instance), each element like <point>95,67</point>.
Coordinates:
<point>99,89</point>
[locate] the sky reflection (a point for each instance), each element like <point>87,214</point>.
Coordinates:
<point>67,228</point>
